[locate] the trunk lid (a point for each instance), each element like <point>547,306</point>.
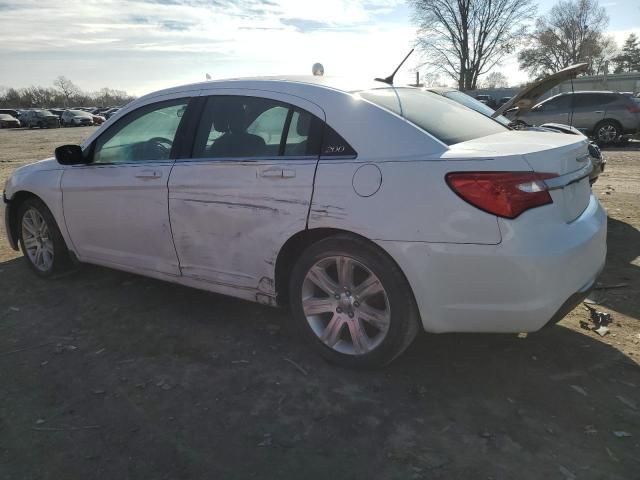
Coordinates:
<point>566,156</point>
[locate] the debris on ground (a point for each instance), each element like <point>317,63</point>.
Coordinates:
<point>622,434</point>
<point>590,430</point>
<point>568,474</point>
<point>609,287</point>
<point>599,321</point>
<point>629,403</point>
<point>580,390</point>
<point>298,367</point>
<point>60,348</point>
<point>611,455</point>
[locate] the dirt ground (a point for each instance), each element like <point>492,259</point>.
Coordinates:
<point>107,375</point>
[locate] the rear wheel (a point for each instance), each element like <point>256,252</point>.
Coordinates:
<point>40,239</point>
<point>353,302</point>
<point>607,132</point>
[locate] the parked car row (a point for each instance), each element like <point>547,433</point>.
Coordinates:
<point>54,117</point>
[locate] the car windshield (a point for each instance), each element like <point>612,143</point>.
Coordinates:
<point>483,108</point>
<point>4,116</point>
<point>42,113</point>
<point>79,113</point>
<point>443,118</point>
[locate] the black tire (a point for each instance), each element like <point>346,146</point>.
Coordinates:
<point>61,259</point>
<point>607,132</point>
<point>404,317</point>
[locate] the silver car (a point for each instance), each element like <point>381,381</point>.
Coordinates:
<point>605,116</point>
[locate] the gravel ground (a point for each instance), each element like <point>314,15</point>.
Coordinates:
<point>109,375</point>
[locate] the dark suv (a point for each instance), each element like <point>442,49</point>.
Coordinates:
<point>606,116</point>
<point>40,119</point>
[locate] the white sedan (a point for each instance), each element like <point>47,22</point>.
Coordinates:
<point>371,210</point>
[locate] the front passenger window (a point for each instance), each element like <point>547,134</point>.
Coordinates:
<point>144,135</point>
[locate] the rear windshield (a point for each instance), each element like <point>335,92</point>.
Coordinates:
<point>80,113</point>
<point>445,119</point>
<point>478,106</point>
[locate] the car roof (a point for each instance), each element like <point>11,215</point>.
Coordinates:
<point>344,84</point>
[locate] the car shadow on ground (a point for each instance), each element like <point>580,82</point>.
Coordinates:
<point>622,268</point>
<point>106,374</point>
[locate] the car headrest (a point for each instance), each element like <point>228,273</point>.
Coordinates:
<point>221,118</point>
<point>237,118</point>
<point>303,125</point>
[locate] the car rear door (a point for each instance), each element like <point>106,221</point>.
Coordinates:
<point>588,110</point>
<point>116,207</point>
<point>245,189</point>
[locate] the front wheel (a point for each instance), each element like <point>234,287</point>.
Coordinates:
<point>607,132</point>
<point>352,302</point>
<point>40,239</point>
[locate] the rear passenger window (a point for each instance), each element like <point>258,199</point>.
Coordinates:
<point>253,127</point>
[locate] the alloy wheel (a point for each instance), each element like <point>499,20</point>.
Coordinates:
<point>36,238</point>
<point>607,133</point>
<point>346,305</point>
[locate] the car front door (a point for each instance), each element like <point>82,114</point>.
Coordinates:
<point>116,206</point>
<point>554,110</point>
<point>246,189</point>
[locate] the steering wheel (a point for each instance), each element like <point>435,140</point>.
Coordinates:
<point>158,147</point>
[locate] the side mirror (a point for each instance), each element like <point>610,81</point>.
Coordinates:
<point>70,155</point>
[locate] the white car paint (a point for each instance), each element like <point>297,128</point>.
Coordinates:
<point>220,225</point>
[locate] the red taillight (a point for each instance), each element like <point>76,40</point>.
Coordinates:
<point>633,108</point>
<point>505,194</point>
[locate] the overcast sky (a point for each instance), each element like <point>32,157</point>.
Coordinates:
<point>143,45</point>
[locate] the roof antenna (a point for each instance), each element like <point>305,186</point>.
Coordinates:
<point>389,79</point>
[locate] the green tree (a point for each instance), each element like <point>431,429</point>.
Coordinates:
<point>629,58</point>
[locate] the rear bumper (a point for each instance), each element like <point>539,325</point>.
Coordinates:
<point>519,285</point>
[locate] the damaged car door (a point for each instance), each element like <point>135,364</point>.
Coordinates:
<point>245,189</point>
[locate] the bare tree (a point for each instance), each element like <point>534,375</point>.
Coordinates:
<point>495,80</point>
<point>68,89</point>
<point>572,32</point>
<point>467,38</point>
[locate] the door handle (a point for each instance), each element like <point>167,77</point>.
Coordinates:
<point>278,172</point>
<point>149,174</point>
<point>273,172</point>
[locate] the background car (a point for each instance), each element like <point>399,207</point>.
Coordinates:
<point>39,118</point>
<point>503,100</point>
<point>275,194</point>
<point>76,118</point>
<point>110,112</point>
<point>8,121</point>
<point>9,111</point>
<point>605,116</point>
<point>57,111</point>
<point>97,119</point>
<point>487,100</point>
<point>597,160</point>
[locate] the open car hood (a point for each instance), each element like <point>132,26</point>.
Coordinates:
<point>529,96</point>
